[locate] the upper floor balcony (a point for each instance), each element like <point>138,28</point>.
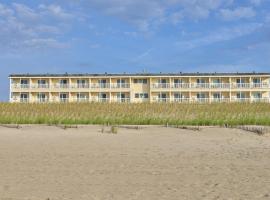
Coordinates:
<point>210,85</point>
<point>72,86</point>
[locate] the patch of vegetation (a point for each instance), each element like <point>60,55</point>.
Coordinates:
<point>231,114</point>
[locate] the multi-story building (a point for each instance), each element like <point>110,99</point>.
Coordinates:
<point>182,87</point>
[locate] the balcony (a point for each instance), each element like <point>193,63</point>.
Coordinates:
<point>24,100</point>
<point>210,86</point>
<point>120,85</point>
<point>120,100</point>
<point>161,85</point>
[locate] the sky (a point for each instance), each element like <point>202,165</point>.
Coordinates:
<point>133,36</point>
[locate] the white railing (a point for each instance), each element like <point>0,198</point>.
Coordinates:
<point>99,85</point>
<point>153,86</point>
<point>161,85</point>
<point>209,85</point>
<point>24,100</point>
<point>180,85</point>
<point>154,99</point>
<point>120,85</point>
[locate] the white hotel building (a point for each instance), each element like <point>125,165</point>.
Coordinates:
<point>136,88</point>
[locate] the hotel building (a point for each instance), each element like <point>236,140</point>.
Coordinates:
<point>136,88</point>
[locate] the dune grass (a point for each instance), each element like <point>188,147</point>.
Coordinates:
<point>140,114</point>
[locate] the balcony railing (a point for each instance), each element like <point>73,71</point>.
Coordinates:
<point>210,85</point>
<point>120,100</point>
<point>154,86</point>
<point>24,100</point>
<point>120,85</point>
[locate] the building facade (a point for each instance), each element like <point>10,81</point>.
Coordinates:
<point>136,88</point>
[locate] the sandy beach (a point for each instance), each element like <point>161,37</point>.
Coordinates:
<point>46,162</point>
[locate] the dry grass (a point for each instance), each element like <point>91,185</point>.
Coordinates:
<point>139,114</point>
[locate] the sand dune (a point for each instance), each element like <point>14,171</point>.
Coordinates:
<point>41,162</point>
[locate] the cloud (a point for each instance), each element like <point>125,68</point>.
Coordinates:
<point>238,13</point>
<point>24,27</point>
<point>147,15</point>
<point>220,35</point>
<point>256,2</point>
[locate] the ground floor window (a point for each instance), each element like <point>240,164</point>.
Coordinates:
<point>141,95</point>
<point>41,97</point>
<point>216,95</point>
<point>178,95</point>
<point>63,97</point>
<point>24,97</point>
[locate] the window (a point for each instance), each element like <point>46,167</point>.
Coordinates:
<point>24,97</point>
<point>41,97</point>
<point>162,96</point>
<point>121,83</point>
<point>41,83</point>
<point>240,95</point>
<point>143,81</point>
<point>141,95</point>
<point>63,83</point>
<point>102,96</point>
<point>216,96</point>
<point>81,83</point>
<point>178,96</point>
<point>257,95</point>
<point>216,81</point>
<point>200,81</point>
<point>102,83</point>
<point>82,97</point>
<point>63,97</point>
<point>121,96</point>
<point>200,96</point>
<point>24,83</point>
<point>256,80</point>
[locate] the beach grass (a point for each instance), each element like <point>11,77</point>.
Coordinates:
<point>221,114</point>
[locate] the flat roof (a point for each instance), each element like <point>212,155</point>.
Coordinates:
<point>138,74</point>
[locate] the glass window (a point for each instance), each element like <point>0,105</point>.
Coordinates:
<point>24,81</point>
<point>63,81</point>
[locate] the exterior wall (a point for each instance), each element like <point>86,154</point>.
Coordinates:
<point>137,89</point>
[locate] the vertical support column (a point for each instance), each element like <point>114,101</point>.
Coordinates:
<point>10,89</point>
<point>189,82</point>
<point>170,91</point>
<point>110,87</point>
<point>89,89</point>
<point>29,91</point>
<point>150,90</point>
<point>50,97</point>
<point>230,93</point>
<point>130,91</point>
<point>210,88</point>
<point>69,91</point>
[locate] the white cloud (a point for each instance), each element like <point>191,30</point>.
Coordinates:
<point>220,35</point>
<point>43,43</point>
<point>256,2</point>
<point>24,27</point>
<point>238,13</point>
<point>148,14</point>
<point>55,11</point>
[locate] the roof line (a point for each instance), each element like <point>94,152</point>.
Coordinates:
<point>139,74</point>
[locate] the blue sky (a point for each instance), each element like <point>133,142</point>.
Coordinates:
<point>115,36</point>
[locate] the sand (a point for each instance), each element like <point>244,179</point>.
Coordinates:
<point>41,163</point>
